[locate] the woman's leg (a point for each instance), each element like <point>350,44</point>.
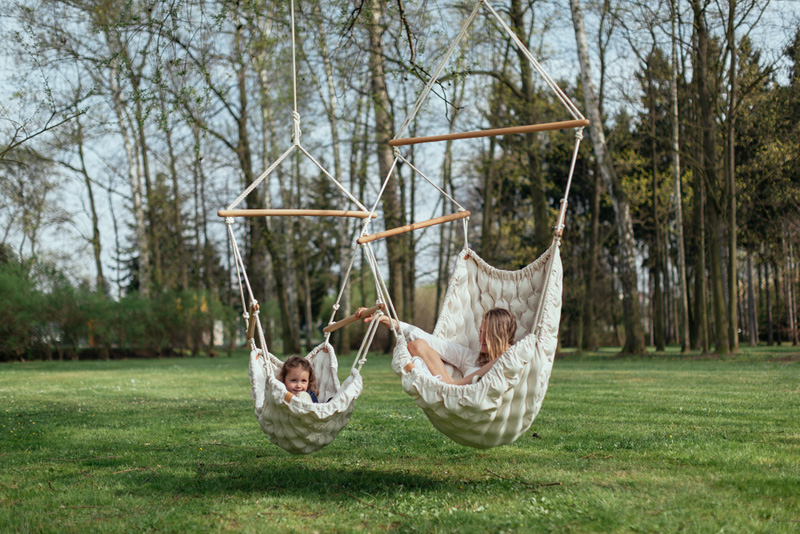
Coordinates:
<point>432,359</point>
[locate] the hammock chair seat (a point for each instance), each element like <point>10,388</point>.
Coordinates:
<point>298,426</point>
<point>502,405</point>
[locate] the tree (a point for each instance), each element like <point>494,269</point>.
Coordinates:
<point>634,335</point>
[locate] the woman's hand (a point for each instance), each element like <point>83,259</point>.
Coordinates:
<point>385,320</point>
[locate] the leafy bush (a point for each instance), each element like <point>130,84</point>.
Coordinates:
<point>21,320</point>
<point>44,314</point>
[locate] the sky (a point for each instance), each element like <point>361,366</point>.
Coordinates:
<point>64,242</point>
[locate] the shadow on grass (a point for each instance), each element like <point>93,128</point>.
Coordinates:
<point>287,478</point>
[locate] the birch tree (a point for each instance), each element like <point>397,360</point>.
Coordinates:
<point>634,334</point>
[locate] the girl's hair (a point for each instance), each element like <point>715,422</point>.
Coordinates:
<point>499,328</point>
<point>294,362</point>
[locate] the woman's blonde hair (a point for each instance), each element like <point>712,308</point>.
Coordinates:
<point>302,363</point>
<point>499,328</point>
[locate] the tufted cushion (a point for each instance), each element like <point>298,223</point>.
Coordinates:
<point>502,405</point>
<point>303,427</point>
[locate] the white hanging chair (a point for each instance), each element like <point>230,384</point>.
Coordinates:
<point>502,405</point>
<point>298,426</point>
<point>295,425</point>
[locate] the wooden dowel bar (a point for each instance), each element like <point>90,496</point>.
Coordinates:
<point>295,213</point>
<point>411,227</point>
<point>347,320</point>
<point>544,127</point>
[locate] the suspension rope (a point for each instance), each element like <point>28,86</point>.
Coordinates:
<point>431,182</point>
<point>563,98</point>
<point>294,70</point>
<point>261,178</point>
<point>439,68</point>
<point>342,188</point>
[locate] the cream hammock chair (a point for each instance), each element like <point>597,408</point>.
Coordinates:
<point>502,405</point>
<point>298,426</point>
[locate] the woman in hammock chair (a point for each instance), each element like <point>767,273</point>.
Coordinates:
<point>430,353</point>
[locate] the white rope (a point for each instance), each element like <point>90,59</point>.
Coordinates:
<point>380,286</point>
<point>294,69</point>
<point>342,188</point>
<point>578,137</point>
<point>261,178</point>
<point>366,343</point>
<point>241,273</point>
<point>439,68</point>
<point>383,185</point>
<point>545,287</point>
<point>345,279</point>
<point>461,208</point>
<point>563,98</point>
<point>244,282</point>
<point>296,132</point>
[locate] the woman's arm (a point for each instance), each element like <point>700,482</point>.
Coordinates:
<point>385,320</point>
<point>479,374</point>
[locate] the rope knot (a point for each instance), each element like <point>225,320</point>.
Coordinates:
<point>336,307</point>
<point>396,152</point>
<point>229,220</point>
<point>296,128</point>
<point>579,134</point>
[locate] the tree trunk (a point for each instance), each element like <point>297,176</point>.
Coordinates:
<point>658,297</point>
<point>791,319</point>
<point>261,237</point>
<point>589,330</point>
<point>95,239</point>
<point>676,154</point>
<point>767,303</point>
<point>733,270</point>
<point>393,211</point>
<point>134,177</point>
<point>541,223</point>
<point>634,334</point>
<point>332,112</point>
<point>776,275</point>
<point>751,302</point>
<point>700,280</point>
<point>488,243</point>
<point>705,101</point>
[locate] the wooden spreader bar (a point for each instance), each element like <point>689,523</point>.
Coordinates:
<point>546,126</point>
<point>295,213</point>
<point>411,227</point>
<point>347,320</point>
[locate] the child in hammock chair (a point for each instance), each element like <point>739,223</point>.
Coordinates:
<point>430,353</point>
<point>298,377</point>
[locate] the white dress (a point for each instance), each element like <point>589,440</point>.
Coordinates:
<point>462,358</point>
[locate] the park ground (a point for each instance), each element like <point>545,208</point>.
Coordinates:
<point>661,443</point>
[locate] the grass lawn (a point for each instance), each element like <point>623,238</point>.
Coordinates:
<point>664,443</point>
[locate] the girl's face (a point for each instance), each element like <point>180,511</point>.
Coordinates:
<point>296,380</point>
<point>482,337</point>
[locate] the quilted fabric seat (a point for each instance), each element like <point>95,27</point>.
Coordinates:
<point>502,405</point>
<point>297,426</point>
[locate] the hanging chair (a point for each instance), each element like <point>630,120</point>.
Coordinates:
<point>501,406</point>
<point>299,426</point>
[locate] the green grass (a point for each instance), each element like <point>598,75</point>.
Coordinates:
<point>663,443</point>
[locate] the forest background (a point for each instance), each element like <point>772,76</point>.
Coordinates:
<point>125,126</point>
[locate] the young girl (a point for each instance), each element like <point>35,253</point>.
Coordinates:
<point>496,335</point>
<point>298,377</point>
